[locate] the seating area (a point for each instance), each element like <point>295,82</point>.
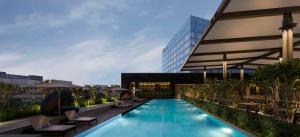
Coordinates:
<point>122,104</point>
<point>234,69</point>
<point>137,99</point>
<point>41,124</point>
<point>74,117</point>
<point>68,125</point>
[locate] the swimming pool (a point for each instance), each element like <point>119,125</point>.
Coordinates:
<point>164,118</point>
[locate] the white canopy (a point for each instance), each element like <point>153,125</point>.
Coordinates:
<point>247,31</point>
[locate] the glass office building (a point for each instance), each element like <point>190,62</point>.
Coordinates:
<point>181,45</point>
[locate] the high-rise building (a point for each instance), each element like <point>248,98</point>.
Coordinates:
<point>20,80</point>
<point>181,45</point>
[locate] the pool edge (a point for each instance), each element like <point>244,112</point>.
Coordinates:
<point>85,132</point>
<point>228,123</point>
<point>127,111</point>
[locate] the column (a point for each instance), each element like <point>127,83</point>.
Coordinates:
<point>204,74</point>
<point>280,59</point>
<point>224,67</point>
<point>287,36</point>
<point>242,73</point>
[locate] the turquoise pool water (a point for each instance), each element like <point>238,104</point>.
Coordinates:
<point>164,118</point>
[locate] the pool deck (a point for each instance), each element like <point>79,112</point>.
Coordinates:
<point>15,127</point>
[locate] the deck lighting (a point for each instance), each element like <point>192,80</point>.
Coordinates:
<point>136,111</point>
<point>201,117</point>
<point>227,130</point>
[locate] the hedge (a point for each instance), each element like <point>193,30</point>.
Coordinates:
<point>20,112</point>
<point>261,126</point>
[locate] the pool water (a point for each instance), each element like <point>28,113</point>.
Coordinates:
<point>164,118</point>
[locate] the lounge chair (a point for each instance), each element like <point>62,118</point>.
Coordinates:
<point>73,116</point>
<point>42,125</point>
<point>137,99</point>
<point>122,104</point>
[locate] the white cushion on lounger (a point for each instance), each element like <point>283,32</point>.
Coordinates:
<point>40,122</point>
<point>71,115</point>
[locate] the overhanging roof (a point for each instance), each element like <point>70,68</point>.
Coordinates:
<point>247,31</point>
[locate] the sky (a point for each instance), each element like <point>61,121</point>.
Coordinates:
<point>90,41</point>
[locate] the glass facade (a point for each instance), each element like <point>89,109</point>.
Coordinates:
<point>183,42</point>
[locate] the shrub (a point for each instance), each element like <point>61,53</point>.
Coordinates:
<point>259,125</point>
<point>103,100</point>
<point>19,112</point>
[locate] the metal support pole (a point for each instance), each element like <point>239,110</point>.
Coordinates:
<point>242,73</point>
<point>224,67</point>
<point>204,74</point>
<point>280,57</point>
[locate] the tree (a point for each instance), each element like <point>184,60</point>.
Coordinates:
<point>271,77</point>
<point>289,71</point>
<point>206,92</point>
<point>266,78</point>
<point>221,91</point>
<point>93,94</point>
<point>234,95</point>
<point>6,90</point>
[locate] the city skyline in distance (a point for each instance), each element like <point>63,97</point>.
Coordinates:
<point>90,42</point>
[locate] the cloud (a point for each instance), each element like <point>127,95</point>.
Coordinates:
<point>98,60</point>
<point>143,13</point>
<point>115,27</point>
<point>96,12</point>
<point>167,12</point>
<point>7,59</point>
<point>91,12</point>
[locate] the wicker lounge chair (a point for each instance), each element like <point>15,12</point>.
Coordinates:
<point>73,116</point>
<point>42,125</point>
<point>137,99</point>
<point>122,104</point>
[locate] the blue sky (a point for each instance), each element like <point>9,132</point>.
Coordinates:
<point>90,41</point>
